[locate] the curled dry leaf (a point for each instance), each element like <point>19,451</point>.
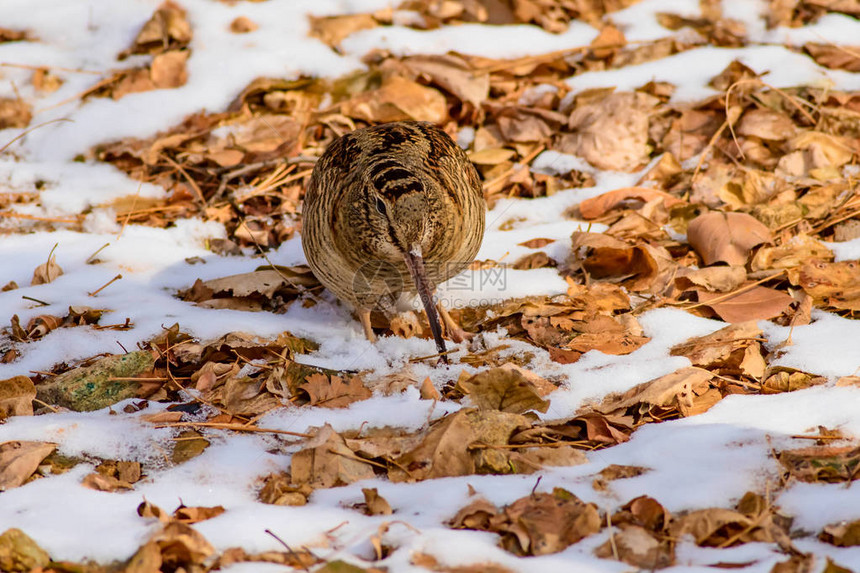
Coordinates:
<point>14,112</point>
<point>167,29</point>
<point>792,253</point>
<point>19,460</point>
<point>326,461</point>
<point>834,57</point>
<point>832,284</point>
<point>544,523</point>
<point>446,450</point>
<point>637,546</point>
<point>756,303</point>
<point>333,392</point>
<point>766,124</point>
<point>737,347</point>
<point>333,29</point>
<point>20,553</point>
<point>726,237</point>
<point>454,75</point>
<point>374,503</point>
<point>46,272</point>
<point>505,390</point>
<point>842,534</point>
<point>605,202</point>
<point>16,397</point>
<point>398,99</point>
<point>678,389</point>
<point>714,279</point>
<point>612,132</point>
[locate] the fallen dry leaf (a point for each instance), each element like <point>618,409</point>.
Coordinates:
<point>605,202</point>
<point>756,303</point>
<point>16,397</point>
<point>333,392</point>
<point>726,237</point>
<point>326,461</point>
<point>505,390</point>
<point>612,132</point>
<point>19,460</point>
<point>398,99</point>
<point>544,523</point>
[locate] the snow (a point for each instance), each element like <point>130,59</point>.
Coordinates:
<point>708,460</point>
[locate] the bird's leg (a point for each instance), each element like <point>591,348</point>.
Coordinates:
<point>415,263</point>
<point>456,333</point>
<point>364,317</point>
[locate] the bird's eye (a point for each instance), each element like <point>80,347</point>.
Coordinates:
<point>380,206</point>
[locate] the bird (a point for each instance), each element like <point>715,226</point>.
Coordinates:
<point>391,211</point>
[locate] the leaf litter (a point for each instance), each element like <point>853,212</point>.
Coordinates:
<point>740,200</point>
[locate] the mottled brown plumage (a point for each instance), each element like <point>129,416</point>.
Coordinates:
<point>391,209</point>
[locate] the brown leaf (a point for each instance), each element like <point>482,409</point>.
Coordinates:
<point>46,272</point>
<point>101,482</point>
<point>543,523</point>
<point>673,389</point>
<point>333,392</point>
<point>476,515</point>
<point>645,512</point>
<point>714,279</point>
<point>528,124</point>
<point>20,553</point>
<point>167,29</point>
<point>717,349</point>
<point>326,461</point>
<point>182,546</point>
<point>19,460</point>
<point>243,25</point>
<point>538,243</point>
<point>451,73</point>
<point>504,390</point>
<point>636,546</point>
<point>531,261</point>
<point>491,156</point>
<point>168,69</point>
<point>14,112</point>
<point>606,257</point>
<point>612,132</point>
<point>757,303</point>
<point>766,124</point>
<point>842,534</point>
<point>16,397</point>
<point>605,202</point>
<point>834,57</point>
<point>375,503</point>
<point>832,284</point>
<point>333,29</point>
<point>446,450</point>
<point>192,515</point>
<point>398,99</point>
<point>726,237</point>
<point>791,253</point>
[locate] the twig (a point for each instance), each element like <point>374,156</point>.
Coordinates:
<point>37,218</point>
<point>35,127</point>
<point>104,286</point>
<point>234,427</point>
<point>734,293</point>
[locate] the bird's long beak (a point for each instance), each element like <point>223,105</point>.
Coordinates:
<point>415,264</point>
